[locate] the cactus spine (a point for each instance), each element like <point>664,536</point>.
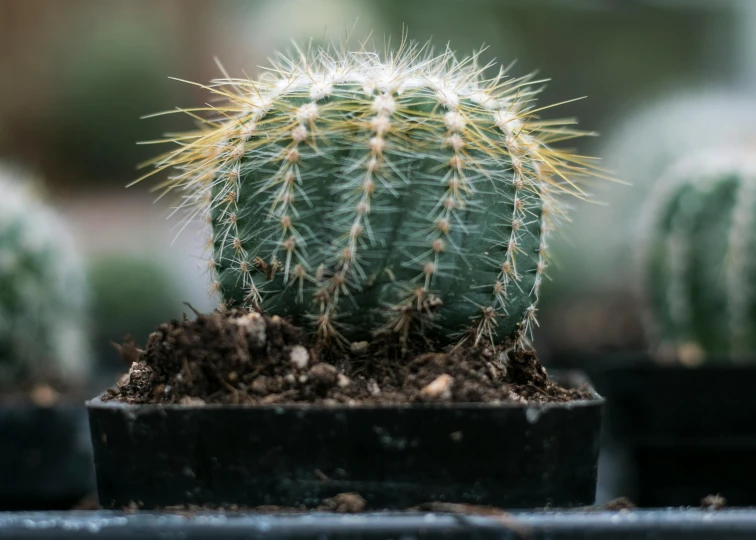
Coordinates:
<point>365,196</point>
<point>699,254</point>
<point>42,291</point>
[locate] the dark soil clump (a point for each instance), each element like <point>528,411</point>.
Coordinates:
<point>243,357</point>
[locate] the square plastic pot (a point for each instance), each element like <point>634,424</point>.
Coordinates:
<point>684,433</point>
<point>507,455</point>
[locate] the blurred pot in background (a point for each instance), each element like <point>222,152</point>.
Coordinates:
<point>45,453</point>
<point>682,416</point>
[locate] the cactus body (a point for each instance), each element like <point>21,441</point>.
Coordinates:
<point>364,196</point>
<point>640,147</point>
<point>42,291</point>
<point>700,258</point>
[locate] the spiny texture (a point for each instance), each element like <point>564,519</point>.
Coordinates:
<point>362,196</point>
<point>699,256</point>
<point>42,291</point>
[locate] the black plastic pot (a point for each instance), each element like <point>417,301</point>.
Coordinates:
<point>576,525</point>
<point>509,455</point>
<point>683,433</point>
<point>45,457</point>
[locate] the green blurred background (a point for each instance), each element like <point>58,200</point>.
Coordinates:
<point>663,78</point>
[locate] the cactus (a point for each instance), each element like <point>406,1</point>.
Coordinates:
<point>644,144</point>
<point>42,291</point>
<point>363,197</point>
<point>699,258</point>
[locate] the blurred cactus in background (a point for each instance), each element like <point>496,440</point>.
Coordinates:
<point>591,293</point>
<point>126,62</point>
<point>43,308</point>
<point>409,196</point>
<point>131,294</point>
<point>698,250</point>
<point>646,142</point>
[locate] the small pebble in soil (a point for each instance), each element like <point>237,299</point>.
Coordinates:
<point>439,389</point>
<point>323,377</point>
<point>299,357</point>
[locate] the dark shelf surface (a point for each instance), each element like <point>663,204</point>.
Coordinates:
<point>670,524</point>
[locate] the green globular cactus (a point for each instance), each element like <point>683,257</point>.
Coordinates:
<point>699,258</point>
<point>43,308</point>
<point>362,196</point>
